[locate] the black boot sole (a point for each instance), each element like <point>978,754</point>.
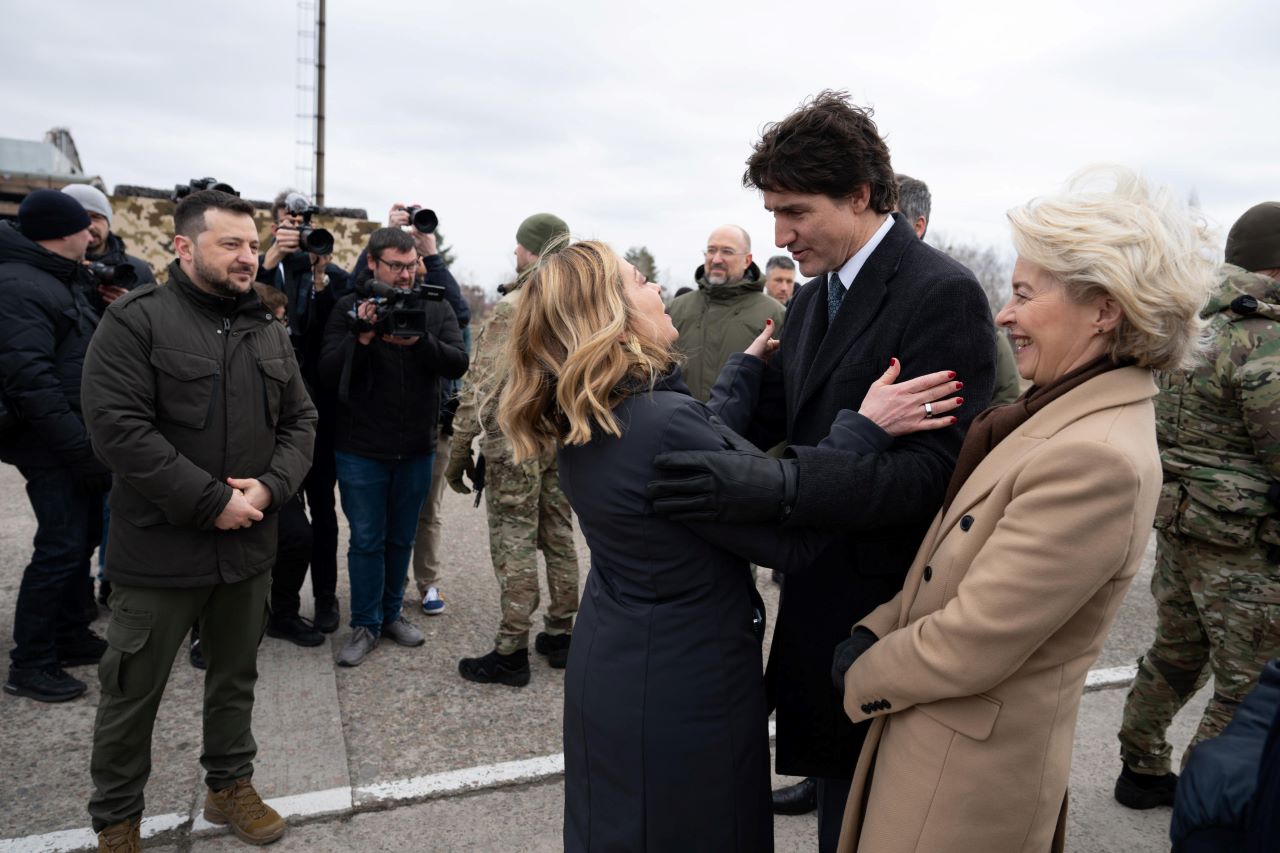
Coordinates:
<point>297,639</point>
<point>511,678</point>
<point>19,690</point>
<point>1131,796</point>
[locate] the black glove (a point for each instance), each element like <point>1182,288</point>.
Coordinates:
<point>848,652</point>
<point>738,485</point>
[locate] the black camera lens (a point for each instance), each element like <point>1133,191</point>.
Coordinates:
<point>424,219</point>
<point>318,241</point>
<point>117,275</point>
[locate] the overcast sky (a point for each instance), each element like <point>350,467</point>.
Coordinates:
<point>633,121</point>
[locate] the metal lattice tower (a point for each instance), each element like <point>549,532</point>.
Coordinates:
<point>307,100</point>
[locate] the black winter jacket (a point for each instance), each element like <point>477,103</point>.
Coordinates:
<point>46,323</point>
<point>184,389</point>
<point>389,395</point>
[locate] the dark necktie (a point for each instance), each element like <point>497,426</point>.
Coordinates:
<point>835,295</point>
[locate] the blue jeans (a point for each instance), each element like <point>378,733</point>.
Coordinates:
<point>382,501</point>
<point>51,596</point>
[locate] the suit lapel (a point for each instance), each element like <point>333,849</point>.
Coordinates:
<point>857,311</point>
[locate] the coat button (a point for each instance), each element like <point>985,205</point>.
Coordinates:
<point>966,523</point>
<point>928,573</point>
<point>866,709</point>
<point>887,705</point>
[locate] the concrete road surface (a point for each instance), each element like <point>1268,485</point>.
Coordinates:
<point>402,754</point>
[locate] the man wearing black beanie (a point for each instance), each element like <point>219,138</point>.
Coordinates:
<point>46,322</point>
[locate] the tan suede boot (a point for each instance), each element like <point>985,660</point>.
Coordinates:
<point>250,818</point>
<point>123,837</point>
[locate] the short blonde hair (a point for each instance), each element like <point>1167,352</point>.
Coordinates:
<point>573,352</point>
<point>1135,242</point>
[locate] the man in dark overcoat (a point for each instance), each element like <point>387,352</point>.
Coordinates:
<point>877,293</point>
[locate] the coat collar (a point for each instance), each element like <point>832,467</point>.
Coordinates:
<point>826,347</point>
<point>1115,388</point>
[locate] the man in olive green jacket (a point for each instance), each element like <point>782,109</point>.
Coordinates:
<point>725,313</point>
<point>192,397</point>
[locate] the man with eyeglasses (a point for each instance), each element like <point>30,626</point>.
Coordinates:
<point>388,393</point>
<point>726,312</point>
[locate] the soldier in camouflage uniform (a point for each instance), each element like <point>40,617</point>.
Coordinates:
<point>1217,574</point>
<point>527,510</point>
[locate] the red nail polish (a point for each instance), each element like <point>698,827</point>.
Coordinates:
<point>955,421</point>
<point>893,362</point>
<point>959,385</point>
<point>959,401</point>
<point>951,374</point>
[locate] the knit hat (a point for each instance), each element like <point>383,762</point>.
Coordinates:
<point>93,199</point>
<point>49,214</point>
<point>1254,241</point>
<point>539,230</point>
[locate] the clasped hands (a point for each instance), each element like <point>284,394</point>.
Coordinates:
<point>249,497</point>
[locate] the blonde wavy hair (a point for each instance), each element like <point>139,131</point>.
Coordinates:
<point>1112,232</point>
<point>575,351</point>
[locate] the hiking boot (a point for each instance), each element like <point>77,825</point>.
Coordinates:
<point>1145,790</point>
<point>250,818</point>
<point>81,649</point>
<point>122,837</point>
<point>511,670</point>
<point>295,629</point>
<point>49,684</point>
<point>555,647</point>
<point>403,633</point>
<point>358,646</point>
<point>327,617</point>
<point>432,602</point>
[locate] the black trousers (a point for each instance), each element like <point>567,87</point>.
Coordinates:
<point>832,796</point>
<point>293,555</point>
<point>51,597</point>
<point>319,487</point>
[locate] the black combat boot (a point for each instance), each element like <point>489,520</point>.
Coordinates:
<point>554,647</point>
<point>511,670</point>
<point>1145,790</point>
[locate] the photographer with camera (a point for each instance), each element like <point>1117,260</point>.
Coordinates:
<point>386,348</point>
<point>299,264</point>
<point>46,323</point>
<point>114,272</point>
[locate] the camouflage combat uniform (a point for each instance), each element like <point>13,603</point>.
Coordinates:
<point>1216,579</point>
<point>527,510</point>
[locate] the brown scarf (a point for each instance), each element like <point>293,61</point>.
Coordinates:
<point>995,424</point>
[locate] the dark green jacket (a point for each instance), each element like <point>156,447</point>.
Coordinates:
<point>717,320</point>
<point>183,389</point>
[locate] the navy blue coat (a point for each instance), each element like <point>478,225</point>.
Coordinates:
<point>665,724</point>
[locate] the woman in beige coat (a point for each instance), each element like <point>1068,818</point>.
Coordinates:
<point>973,674</point>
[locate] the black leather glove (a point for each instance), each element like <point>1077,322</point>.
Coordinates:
<point>848,652</point>
<point>737,485</point>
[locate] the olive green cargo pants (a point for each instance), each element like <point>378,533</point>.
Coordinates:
<point>147,628</point>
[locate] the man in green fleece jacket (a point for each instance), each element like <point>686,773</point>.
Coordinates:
<point>726,312</point>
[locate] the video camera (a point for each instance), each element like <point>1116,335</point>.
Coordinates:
<point>424,219</point>
<point>113,275</point>
<point>318,241</point>
<point>195,185</point>
<point>400,312</point>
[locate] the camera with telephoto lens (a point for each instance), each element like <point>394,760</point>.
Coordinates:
<point>196,185</point>
<point>424,219</point>
<point>318,241</point>
<point>400,311</point>
<point>113,275</point>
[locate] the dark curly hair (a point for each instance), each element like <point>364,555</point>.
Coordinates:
<point>828,145</point>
